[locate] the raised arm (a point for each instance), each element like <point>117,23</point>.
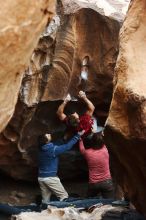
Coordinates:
<point>90,105</point>
<point>60,111</point>
<point>81,146</point>
<point>65,147</point>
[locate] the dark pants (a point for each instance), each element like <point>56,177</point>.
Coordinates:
<point>102,189</point>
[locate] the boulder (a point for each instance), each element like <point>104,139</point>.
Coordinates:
<point>21,23</point>
<point>125,131</point>
<point>54,70</point>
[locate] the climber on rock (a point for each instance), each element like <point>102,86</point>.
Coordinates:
<point>74,122</point>
<point>86,121</point>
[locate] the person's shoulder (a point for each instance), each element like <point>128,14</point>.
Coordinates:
<point>85,115</point>
<point>104,148</point>
<point>48,146</point>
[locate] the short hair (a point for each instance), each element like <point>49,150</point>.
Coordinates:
<point>42,140</point>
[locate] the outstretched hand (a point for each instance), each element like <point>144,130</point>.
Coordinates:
<point>82,94</point>
<point>81,132</point>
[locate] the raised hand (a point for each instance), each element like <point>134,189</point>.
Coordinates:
<point>82,94</point>
<point>81,132</point>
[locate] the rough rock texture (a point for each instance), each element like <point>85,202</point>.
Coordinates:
<point>97,212</point>
<point>36,74</point>
<point>115,9</point>
<point>126,125</point>
<point>73,42</point>
<point>21,23</point>
<point>54,71</point>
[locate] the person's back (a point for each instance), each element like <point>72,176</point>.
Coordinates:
<point>48,162</point>
<point>98,164</point>
<point>97,157</point>
<point>48,166</point>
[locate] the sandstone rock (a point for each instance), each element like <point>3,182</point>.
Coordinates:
<point>115,9</point>
<point>21,23</point>
<point>64,74</point>
<point>36,74</point>
<point>35,112</point>
<point>126,125</point>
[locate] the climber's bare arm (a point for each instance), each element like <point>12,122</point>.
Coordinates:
<point>90,105</point>
<point>60,112</point>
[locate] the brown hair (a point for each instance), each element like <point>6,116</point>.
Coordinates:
<point>72,121</point>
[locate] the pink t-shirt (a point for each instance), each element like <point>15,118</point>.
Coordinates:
<point>98,163</point>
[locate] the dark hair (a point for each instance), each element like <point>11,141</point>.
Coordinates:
<point>94,141</point>
<point>72,121</point>
<point>42,140</point>
<point>87,141</point>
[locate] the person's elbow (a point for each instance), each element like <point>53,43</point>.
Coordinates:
<point>90,111</point>
<point>60,115</point>
<point>93,108</point>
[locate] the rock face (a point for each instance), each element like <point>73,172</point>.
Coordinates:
<point>21,23</point>
<point>115,9</point>
<point>54,70</point>
<point>71,49</point>
<point>126,125</point>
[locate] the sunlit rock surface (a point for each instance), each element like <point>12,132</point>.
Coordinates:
<point>126,124</point>
<point>54,70</point>
<point>115,9</point>
<point>98,212</point>
<point>35,78</point>
<point>73,43</point>
<point>21,23</point>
